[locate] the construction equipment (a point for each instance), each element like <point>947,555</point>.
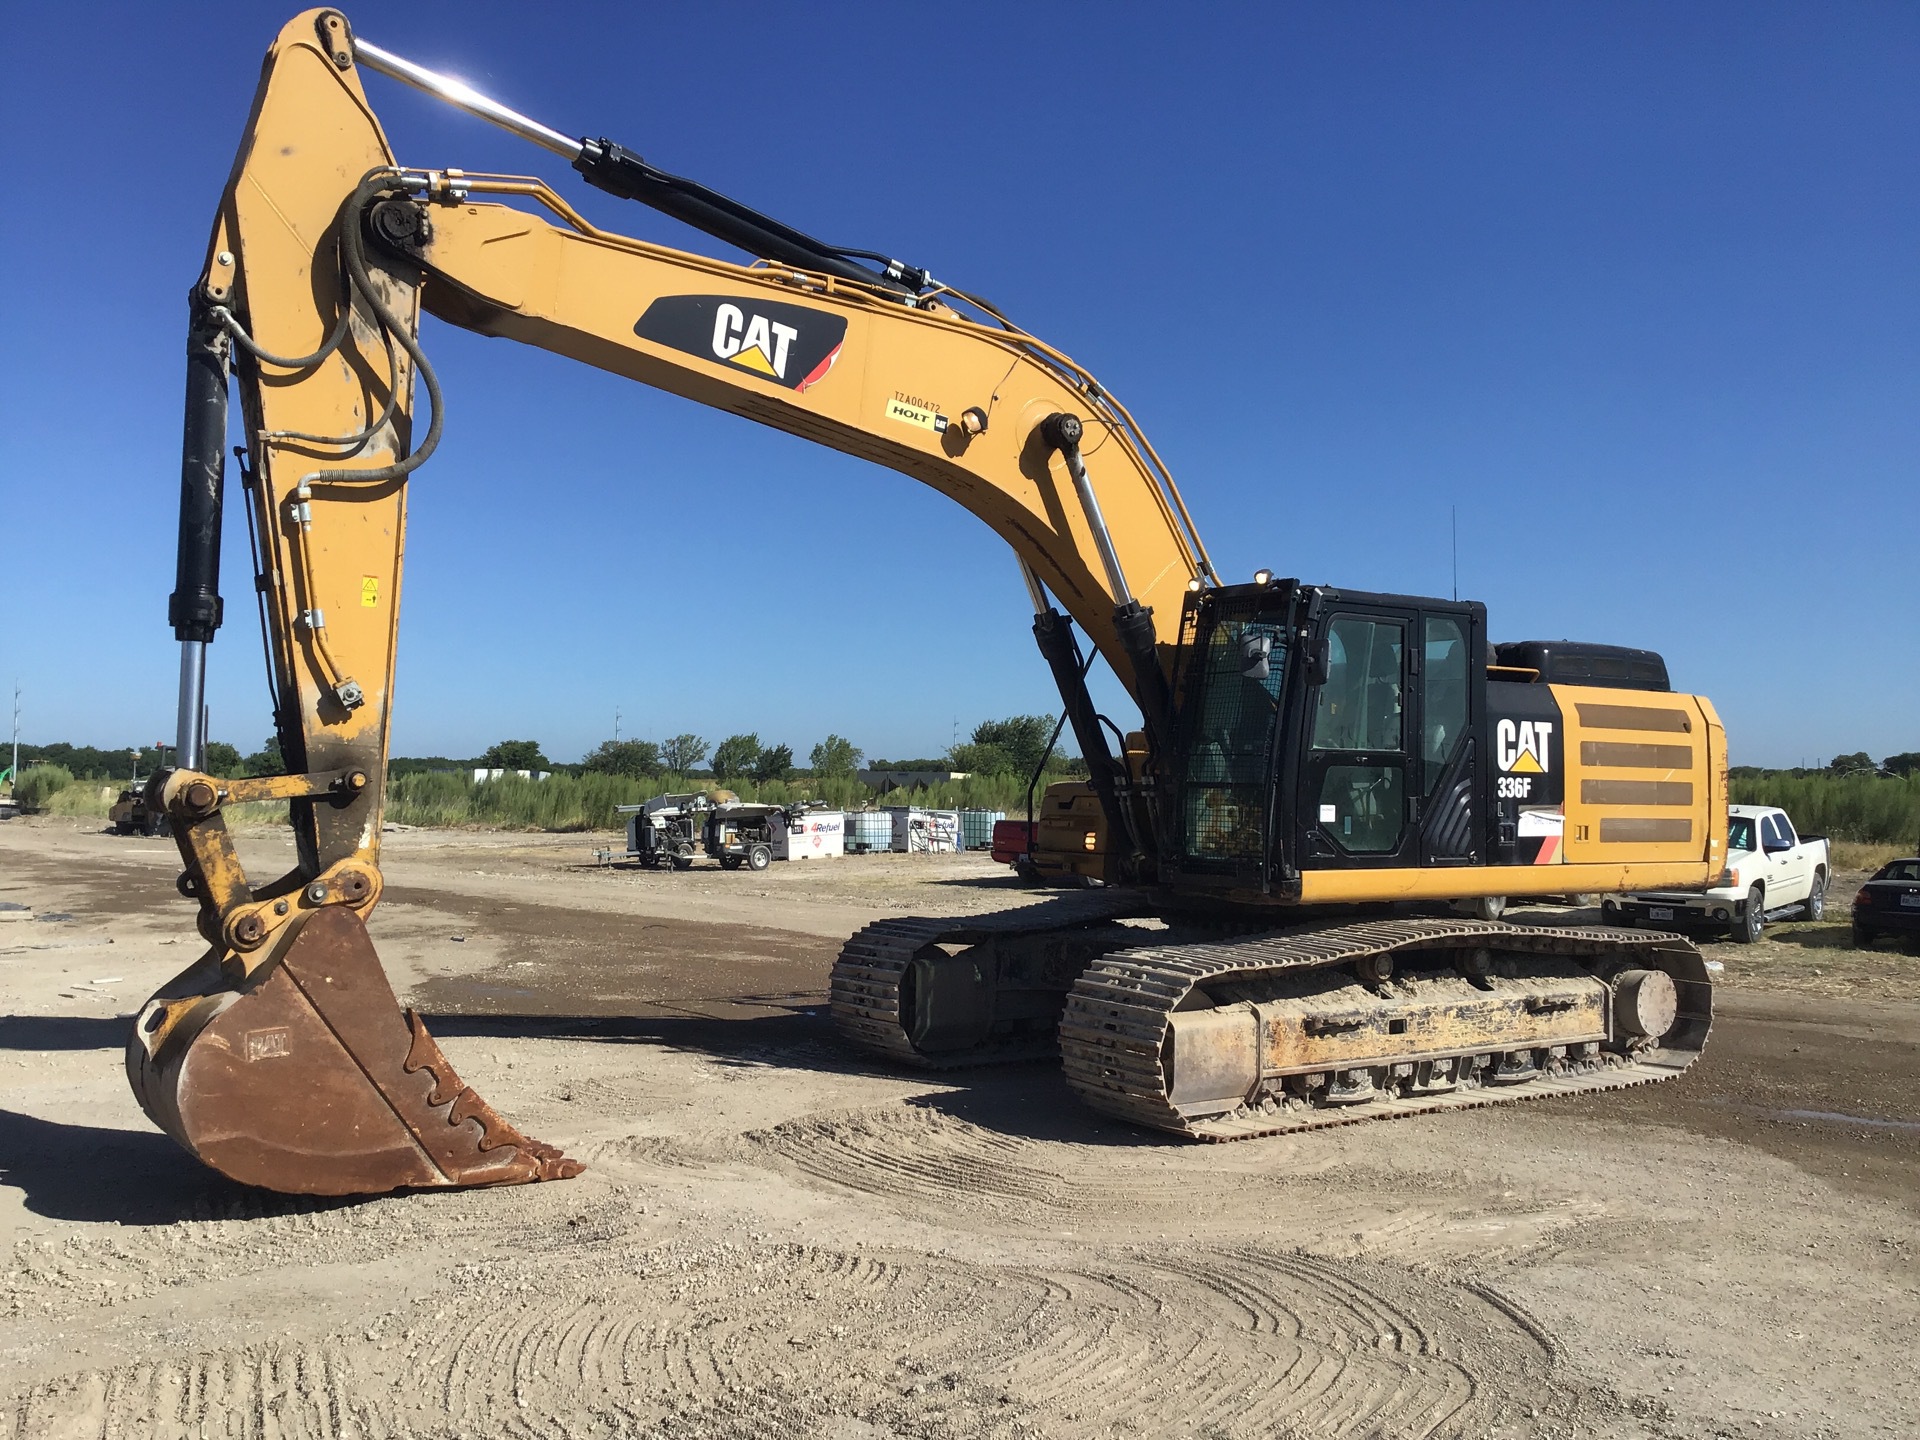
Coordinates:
<point>740,832</point>
<point>665,830</point>
<point>130,814</point>
<point>1302,750</point>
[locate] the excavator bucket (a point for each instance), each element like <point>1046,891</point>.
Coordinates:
<point>309,1079</point>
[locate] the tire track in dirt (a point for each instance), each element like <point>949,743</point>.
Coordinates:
<point>230,1231</point>
<point>285,1392</point>
<point>1246,1341</point>
<point>958,1173</point>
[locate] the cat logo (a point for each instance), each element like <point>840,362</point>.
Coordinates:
<point>1523,747</point>
<point>787,344</point>
<point>759,344</point>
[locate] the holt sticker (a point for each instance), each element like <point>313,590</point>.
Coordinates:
<point>912,410</point>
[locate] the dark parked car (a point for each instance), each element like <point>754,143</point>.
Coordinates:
<point>1889,903</point>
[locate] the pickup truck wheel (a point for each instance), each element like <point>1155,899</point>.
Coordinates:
<point>1817,897</point>
<point>1751,923</point>
<point>1481,907</point>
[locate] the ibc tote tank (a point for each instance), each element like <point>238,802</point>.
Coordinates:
<point>976,828</point>
<point>868,830</point>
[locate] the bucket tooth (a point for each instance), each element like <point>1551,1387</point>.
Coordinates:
<point>309,1079</point>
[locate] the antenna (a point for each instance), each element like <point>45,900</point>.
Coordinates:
<point>1455,512</point>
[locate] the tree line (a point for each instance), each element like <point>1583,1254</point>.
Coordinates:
<point>1015,746</point>
<point>1893,767</point>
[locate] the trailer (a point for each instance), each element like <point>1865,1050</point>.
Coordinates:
<point>665,830</point>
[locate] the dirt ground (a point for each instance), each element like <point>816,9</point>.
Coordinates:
<point>776,1238</point>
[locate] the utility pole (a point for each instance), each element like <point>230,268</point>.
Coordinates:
<point>616,724</point>
<point>16,732</point>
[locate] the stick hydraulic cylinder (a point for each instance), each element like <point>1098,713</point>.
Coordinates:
<point>194,609</point>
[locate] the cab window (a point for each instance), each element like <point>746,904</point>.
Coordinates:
<point>1360,702</point>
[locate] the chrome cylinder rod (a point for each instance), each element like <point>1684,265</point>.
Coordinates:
<point>190,736</point>
<point>463,96</point>
<point>1036,592</point>
<point>1103,542</point>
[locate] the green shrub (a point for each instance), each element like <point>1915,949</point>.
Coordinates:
<point>37,784</point>
<point>1869,809</point>
<point>586,802</point>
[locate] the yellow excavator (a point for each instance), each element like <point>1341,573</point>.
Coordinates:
<point>1301,848</point>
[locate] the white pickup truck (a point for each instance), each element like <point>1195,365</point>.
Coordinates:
<point>1770,871</point>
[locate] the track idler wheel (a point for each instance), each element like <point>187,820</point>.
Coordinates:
<point>309,1079</point>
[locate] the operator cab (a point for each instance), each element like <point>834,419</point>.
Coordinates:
<point>1323,728</point>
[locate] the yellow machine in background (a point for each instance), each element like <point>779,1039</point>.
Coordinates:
<point>1301,750</point>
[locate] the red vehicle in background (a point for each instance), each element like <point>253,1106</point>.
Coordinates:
<point>1013,845</point>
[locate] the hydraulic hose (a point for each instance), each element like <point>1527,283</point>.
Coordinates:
<point>374,183</point>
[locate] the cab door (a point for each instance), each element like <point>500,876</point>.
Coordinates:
<point>1357,793</point>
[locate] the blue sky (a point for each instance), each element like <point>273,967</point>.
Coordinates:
<point>1632,286</point>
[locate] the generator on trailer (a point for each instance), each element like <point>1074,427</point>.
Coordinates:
<point>666,830</point>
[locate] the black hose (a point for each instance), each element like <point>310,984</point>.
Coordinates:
<point>286,362</point>
<point>373,184</point>
<point>1033,780</point>
<point>353,443</point>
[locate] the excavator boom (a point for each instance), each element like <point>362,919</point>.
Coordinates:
<point>282,1057</point>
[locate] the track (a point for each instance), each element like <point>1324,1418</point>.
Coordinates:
<point>865,990</point>
<point>1117,1020</point>
<point>1114,1031</point>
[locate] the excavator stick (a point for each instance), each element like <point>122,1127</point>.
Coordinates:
<point>283,1058</point>
<point>308,1079</point>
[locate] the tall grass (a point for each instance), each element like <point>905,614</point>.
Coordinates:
<point>1870,809</point>
<point>36,785</point>
<point>586,802</point>
<point>87,799</point>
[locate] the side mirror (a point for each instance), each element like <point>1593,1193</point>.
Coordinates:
<point>1775,847</point>
<point>1256,653</point>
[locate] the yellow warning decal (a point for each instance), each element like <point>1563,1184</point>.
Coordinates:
<point>754,358</point>
<point>369,591</point>
<point>912,410</point>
